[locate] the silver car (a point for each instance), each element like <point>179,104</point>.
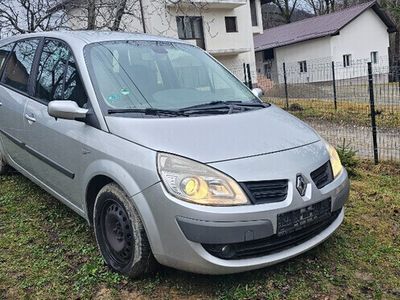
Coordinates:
<point>165,153</point>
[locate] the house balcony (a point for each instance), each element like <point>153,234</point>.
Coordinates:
<point>227,52</point>
<point>226,4</point>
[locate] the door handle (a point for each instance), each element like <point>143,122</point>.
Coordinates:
<point>1,103</point>
<point>30,118</point>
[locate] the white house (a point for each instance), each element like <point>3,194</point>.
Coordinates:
<point>349,38</point>
<point>224,28</point>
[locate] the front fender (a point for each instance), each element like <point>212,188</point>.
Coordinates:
<point>2,150</point>
<point>117,173</point>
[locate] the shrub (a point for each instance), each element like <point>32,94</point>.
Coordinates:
<point>348,157</point>
<point>295,107</point>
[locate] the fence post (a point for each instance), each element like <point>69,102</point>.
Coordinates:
<point>249,77</point>
<point>373,112</point>
<point>334,86</point>
<point>245,74</point>
<point>286,87</point>
<point>398,71</point>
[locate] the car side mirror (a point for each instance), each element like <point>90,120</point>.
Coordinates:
<point>257,92</point>
<point>66,109</point>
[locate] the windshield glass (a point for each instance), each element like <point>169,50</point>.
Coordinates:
<point>162,75</point>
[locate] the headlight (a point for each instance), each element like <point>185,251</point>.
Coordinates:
<point>197,183</point>
<point>335,160</point>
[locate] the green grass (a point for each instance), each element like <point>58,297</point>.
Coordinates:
<point>48,252</point>
<point>354,113</point>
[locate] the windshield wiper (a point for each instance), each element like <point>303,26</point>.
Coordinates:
<point>211,105</point>
<point>147,111</point>
<point>215,107</point>
<point>253,104</point>
<point>221,105</point>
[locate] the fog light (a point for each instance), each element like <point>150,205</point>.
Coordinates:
<point>227,251</point>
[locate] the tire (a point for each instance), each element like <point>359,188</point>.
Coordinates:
<point>4,168</point>
<point>120,234</point>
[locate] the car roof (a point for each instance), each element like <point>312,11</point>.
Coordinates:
<point>88,37</point>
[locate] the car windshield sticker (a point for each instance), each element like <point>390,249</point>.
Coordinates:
<point>125,91</point>
<point>113,98</point>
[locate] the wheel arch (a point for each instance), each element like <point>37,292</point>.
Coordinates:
<point>101,173</point>
<point>92,190</point>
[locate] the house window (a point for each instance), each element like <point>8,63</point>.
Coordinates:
<point>346,60</point>
<point>253,11</point>
<point>374,57</point>
<point>191,28</point>
<point>230,24</point>
<point>303,66</point>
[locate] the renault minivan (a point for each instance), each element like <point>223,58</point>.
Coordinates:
<point>165,153</point>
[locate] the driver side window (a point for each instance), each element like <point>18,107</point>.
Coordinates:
<point>57,77</point>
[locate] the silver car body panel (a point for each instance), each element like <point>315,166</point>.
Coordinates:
<point>198,138</point>
<point>64,156</point>
<point>12,110</point>
<point>164,209</point>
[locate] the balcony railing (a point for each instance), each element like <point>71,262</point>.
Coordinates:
<point>226,52</point>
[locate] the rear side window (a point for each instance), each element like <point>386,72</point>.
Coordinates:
<point>4,51</point>
<point>19,65</point>
<point>51,70</point>
<point>58,77</point>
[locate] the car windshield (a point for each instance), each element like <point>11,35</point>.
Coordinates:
<point>159,75</point>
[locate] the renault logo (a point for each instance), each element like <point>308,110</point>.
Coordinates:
<point>301,185</point>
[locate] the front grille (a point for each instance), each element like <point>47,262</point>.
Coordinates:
<point>266,191</point>
<point>323,175</point>
<point>273,243</point>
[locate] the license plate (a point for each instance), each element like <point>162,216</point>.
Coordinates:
<point>304,217</point>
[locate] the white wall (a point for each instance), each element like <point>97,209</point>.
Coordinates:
<point>232,49</point>
<point>363,35</point>
<point>259,28</point>
<point>316,52</point>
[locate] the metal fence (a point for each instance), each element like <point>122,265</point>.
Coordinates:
<point>350,103</point>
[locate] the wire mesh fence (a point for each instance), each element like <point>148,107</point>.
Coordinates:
<point>352,103</point>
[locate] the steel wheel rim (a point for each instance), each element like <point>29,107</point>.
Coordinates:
<point>117,232</point>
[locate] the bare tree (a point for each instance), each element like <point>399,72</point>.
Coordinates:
<point>121,15</point>
<point>317,6</point>
<point>330,6</point>
<point>286,8</point>
<point>24,16</point>
<point>322,7</point>
<point>393,9</point>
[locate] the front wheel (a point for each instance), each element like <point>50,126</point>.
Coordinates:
<point>120,234</point>
<point>3,166</point>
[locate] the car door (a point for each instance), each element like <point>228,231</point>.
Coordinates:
<point>14,94</point>
<point>58,145</point>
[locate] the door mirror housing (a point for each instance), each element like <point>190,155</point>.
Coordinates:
<point>257,92</point>
<point>66,109</point>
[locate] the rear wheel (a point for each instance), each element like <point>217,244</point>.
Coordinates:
<point>120,234</point>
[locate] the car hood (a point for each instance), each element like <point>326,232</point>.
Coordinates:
<point>218,137</point>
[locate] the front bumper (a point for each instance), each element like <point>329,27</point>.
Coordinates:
<point>173,246</point>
